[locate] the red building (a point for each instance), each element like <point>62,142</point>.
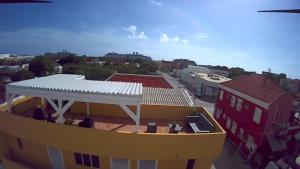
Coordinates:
<point>251,108</point>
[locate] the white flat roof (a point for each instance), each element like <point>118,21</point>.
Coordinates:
<point>213,77</point>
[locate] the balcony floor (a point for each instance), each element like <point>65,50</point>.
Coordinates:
<point>125,124</point>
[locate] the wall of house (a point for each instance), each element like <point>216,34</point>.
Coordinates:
<point>147,111</point>
<point>280,111</point>
<point>31,154</point>
<point>10,164</point>
<point>243,118</point>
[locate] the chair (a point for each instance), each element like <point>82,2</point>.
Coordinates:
<point>38,114</point>
<point>87,123</point>
<point>174,128</point>
<point>151,127</point>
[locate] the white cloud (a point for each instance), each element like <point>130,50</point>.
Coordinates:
<point>201,35</point>
<point>133,34</point>
<point>176,39</point>
<point>156,3</point>
<point>164,38</point>
<point>185,41</point>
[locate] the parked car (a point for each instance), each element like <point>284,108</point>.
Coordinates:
<point>199,94</point>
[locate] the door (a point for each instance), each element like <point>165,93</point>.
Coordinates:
<point>56,158</point>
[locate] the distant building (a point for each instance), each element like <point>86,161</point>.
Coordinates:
<point>171,65</point>
<point>25,66</point>
<point>220,72</point>
<point>58,68</point>
<point>251,109</point>
<point>15,57</point>
<point>293,87</point>
<point>290,85</point>
<point>206,83</point>
<point>273,76</point>
<point>4,56</point>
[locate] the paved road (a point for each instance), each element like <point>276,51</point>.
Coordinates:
<point>229,159</point>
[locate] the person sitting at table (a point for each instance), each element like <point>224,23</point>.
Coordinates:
<point>87,123</point>
<point>38,113</point>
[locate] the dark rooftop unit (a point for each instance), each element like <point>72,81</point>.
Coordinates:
<point>151,127</point>
<point>198,123</point>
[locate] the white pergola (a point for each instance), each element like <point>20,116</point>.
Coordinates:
<point>72,88</point>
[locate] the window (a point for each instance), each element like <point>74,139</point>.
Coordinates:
<point>95,161</point>
<point>224,116</point>
<point>78,159</point>
<point>87,160</point>
<point>221,95</point>
<point>190,164</point>
<point>228,122</point>
<point>218,112</point>
<point>233,127</point>
<point>20,144</point>
<point>241,133</point>
<point>119,163</point>
<point>147,164</point>
<point>239,104</point>
<point>257,115</point>
<point>232,101</point>
<point>250,144</point>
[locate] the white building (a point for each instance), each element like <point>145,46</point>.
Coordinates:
<point>189,70</point>
<point>206,83</point>
<point>4,56</point>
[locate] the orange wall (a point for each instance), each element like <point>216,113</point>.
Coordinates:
<point>147,111</point>
<point>91,141</point>
<point>33,155</point>
<point>9,164</point>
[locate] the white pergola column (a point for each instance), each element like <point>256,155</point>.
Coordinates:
<point>134,116</point>
<point>60,109</point>
<point>88,108</point>
<point>138,117</point>
<point>9,98</point>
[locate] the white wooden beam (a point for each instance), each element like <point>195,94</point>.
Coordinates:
<point>54,106</point>
<point>138,118</point>
<point>68,105</point>
<point>9,98</point>
<point>129,112</point>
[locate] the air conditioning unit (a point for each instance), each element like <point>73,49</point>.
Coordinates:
<point>278,125</point>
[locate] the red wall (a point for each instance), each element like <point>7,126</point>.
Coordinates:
<point>283,106</point>
<point>244,118</point>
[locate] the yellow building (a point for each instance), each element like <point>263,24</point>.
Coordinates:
<point>133,127</point>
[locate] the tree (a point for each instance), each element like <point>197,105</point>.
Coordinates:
<point>236,71</point>
<point>72,59</point>
<point>22,75</point>
<point>41,66</point>
<point>149,66</point>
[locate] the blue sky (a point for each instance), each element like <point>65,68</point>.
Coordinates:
<point>216,32</point>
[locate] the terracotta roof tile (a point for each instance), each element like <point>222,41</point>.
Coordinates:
<point>256,86</point>
<point>146,80</point>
